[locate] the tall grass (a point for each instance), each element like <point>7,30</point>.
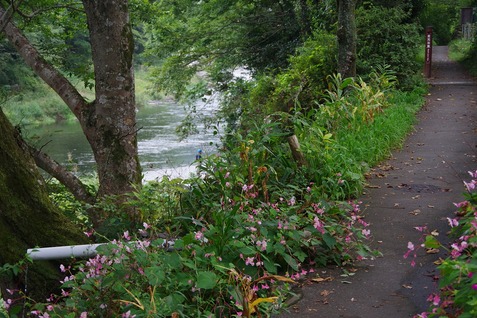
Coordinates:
<point>340,155</point>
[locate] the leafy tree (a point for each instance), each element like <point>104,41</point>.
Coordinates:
<point>109,120</point>
<point>385,38</point>
<point>444,17</point>
<point>218,36</point>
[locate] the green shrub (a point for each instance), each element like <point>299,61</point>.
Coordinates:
<point>386,38</point>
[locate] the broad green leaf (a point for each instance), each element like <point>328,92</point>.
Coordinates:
<point>431,242</point>
<point>291,261</point>
<point>329,240</point>
<point>155,275</point>
<point>206,280</point>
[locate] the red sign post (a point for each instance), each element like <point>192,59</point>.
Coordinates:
<point>428,55</point>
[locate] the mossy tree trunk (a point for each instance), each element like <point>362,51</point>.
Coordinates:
<point>109,121</point>
<point>28,219</point>
<point>347,38</point>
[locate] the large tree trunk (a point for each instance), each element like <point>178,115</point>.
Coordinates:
<point>346,38</point>
<point>28,218</point>
<point>108,122</point>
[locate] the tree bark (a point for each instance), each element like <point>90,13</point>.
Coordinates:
<point>108,122</point>
<point>294,145</point>
<point>347,38</point>
<point>28,218</point>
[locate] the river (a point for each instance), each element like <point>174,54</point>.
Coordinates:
<point>160,150</point>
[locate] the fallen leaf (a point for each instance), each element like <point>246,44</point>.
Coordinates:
<point>407,286</point>
<point>322,279</point>
<point>415,212</point>
<point>373,186</point>
<point>439,261</point>
<point>353,299</point>
<point>435,233</point>
<point>430,206</point>
<point>432,251</point>
<point>325,293</point>
<point>416,197</point>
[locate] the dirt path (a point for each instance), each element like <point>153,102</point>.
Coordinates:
<point>416,187</point>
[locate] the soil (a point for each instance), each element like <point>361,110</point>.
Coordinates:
<point>417,186</point>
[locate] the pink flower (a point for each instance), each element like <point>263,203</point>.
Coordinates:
<point>292,201</point>
<point>262,244</point>
<point>435,299</point>
<point>474,286</point>
<point>420,228</point>
<point>199,236</point>
<point>128,315</point>
<point>453,222</point>
<point>126,236</point>
<point>462,204</point>
<point>249,261</point>
<point>318,225</point>
<point>470,185</point>
<point>84,314</point>
<point>473,174</point>
<point>410,246</point>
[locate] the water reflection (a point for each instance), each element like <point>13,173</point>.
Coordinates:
<point>160,150</point>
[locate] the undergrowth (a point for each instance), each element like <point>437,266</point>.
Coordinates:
<point>233,240</point>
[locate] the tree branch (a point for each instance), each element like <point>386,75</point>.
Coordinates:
<point>68,179</point>
<point>43,69</point>
<point>8,14</point>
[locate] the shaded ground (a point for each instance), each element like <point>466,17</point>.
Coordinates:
<point>416,187</point>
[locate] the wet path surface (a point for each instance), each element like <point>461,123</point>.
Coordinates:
<point>416,187</point>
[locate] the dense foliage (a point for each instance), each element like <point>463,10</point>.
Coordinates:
<point>387,37</point>
<point>232,241</point>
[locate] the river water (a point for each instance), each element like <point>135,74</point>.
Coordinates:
<point>160,150</point>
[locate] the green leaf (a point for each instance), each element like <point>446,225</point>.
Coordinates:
<point>206,280</point>
<point>291,261</point>
<point>155,275</point>
<point>329,240</point>
<point>270,266</point>
<point>300,255</point>
<point>173,260</point>
<point>431,242</point>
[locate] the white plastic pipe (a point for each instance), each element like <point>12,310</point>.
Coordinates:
<point>62,252</point>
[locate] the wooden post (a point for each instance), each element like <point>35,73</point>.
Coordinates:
<point>428,55</point>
